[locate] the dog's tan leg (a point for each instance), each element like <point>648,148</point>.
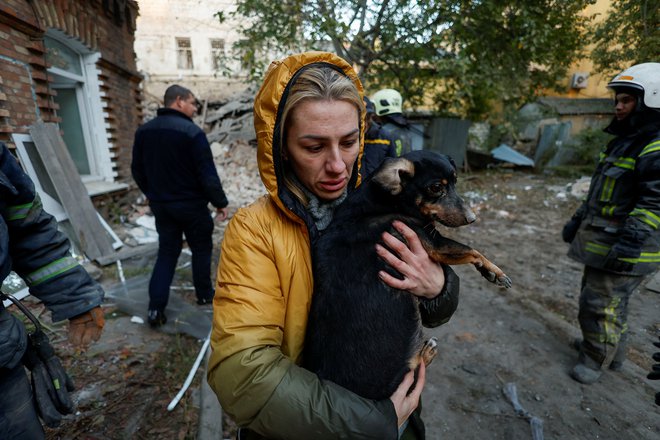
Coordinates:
<point>429,351</point>
<point>470,256</point>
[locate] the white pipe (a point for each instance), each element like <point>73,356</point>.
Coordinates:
<point>191,375</point>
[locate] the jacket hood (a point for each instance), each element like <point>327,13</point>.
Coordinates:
<point>268,105</point>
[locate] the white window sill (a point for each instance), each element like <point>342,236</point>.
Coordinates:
<point>98,187</point>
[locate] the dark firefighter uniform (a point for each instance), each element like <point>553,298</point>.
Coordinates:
<point>619,237</point>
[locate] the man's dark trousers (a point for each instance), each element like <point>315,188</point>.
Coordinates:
<point>174,219</point>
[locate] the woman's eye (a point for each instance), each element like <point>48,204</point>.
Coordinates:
<point>314,148</point>
<point>349,143</point>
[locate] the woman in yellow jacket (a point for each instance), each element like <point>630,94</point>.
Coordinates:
<point>309,119</point>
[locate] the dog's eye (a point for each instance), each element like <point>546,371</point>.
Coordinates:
<point>436,189</point>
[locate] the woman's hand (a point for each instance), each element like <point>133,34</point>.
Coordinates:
<point>421,276</point>
<point>404,403</point>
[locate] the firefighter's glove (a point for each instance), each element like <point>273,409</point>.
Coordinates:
<point>614,263</point>
<point>570,229</point>
<point>86,328</point>
<point>50,383</point>
<point>655,374</point>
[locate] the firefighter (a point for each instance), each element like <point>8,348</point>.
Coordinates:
<point>378,144</point>
<point>615,233</point>
<point>388,114</point>
<point>31,245</point>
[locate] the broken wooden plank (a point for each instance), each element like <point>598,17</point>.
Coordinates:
<point>94,240</point>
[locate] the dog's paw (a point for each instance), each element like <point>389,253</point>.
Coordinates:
<point>504,281</point>
<point>429,350</point>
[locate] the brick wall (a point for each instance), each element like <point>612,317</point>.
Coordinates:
<point>103,26</point>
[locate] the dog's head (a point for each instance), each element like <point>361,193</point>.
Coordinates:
<point>424,185</point>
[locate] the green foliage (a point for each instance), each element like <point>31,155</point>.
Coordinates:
<point>476,53</point>
<point>629,35</point>
<point>588,144</point>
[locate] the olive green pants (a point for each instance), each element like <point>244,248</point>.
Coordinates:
<point>603,313</point>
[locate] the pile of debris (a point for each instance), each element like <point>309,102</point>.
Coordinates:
<point>237,167</point>
<point>230,120</point>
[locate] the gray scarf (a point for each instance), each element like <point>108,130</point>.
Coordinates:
<point>321,211</point>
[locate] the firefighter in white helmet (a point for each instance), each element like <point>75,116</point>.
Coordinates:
<point>616,231</point>
<point>388,104</point>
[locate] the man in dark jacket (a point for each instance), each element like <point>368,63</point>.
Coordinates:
<point>378,144</point>
<point>615,232</point>
<point>174,168</point>
<point>32,246</point>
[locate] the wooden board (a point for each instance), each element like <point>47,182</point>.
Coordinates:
<point>70,190</point>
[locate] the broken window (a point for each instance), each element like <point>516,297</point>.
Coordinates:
<point>184,58</point>
<point>217,53</point>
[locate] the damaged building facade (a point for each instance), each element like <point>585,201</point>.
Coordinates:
<point>72,63</point>
<point>183,41</point>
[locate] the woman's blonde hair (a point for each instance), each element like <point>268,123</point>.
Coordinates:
<point>315,83</point>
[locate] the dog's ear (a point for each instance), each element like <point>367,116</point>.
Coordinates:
<point>393,172</point>
<point>451,161</point>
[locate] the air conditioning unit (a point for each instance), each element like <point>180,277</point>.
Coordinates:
<point>580,80</point>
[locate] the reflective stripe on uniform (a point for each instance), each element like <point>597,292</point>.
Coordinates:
<point>50,270</point>
<point>18,212</point>
<point>608,210</point>
<point>596,248</point>
<point>650,148</point>
<point>377,141</point>
<point>648,217</point>
<point>399,147</point>
<point>645,257</point>
<point>608,189</point>
<point>610,326</point>
<point>627,163</point>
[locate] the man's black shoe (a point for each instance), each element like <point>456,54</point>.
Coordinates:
<point>204,301</point>
<point>156,318</point>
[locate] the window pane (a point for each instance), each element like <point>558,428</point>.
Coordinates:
<point>71,127</point>
<point>184,58</point>
<point>60,56</point>
<point>217,52</point>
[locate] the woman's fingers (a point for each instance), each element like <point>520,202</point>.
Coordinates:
<point>406,401</point>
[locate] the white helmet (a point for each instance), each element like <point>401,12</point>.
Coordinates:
<point>387,101</point>
<point>644,77</point>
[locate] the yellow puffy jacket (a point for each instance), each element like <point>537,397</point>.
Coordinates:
<point>263,295</point>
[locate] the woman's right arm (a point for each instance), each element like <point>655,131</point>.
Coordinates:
<point>257,385</point>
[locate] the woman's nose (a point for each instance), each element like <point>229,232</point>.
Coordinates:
<point>334,161</point>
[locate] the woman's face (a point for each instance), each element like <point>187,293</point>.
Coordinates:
<point>322,144</point>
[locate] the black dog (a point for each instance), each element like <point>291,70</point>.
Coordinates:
<point>361,333</point>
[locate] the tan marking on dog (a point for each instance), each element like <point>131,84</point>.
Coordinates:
<point>389,176</point>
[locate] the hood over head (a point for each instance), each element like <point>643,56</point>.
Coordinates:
<point>268,107</point>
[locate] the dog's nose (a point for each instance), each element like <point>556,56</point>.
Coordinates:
<point>470,217</point>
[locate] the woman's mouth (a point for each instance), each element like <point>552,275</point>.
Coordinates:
<point>333,185</point>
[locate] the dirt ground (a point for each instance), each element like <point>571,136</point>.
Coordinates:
<point>497,339</point>
<point>523,335</point>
